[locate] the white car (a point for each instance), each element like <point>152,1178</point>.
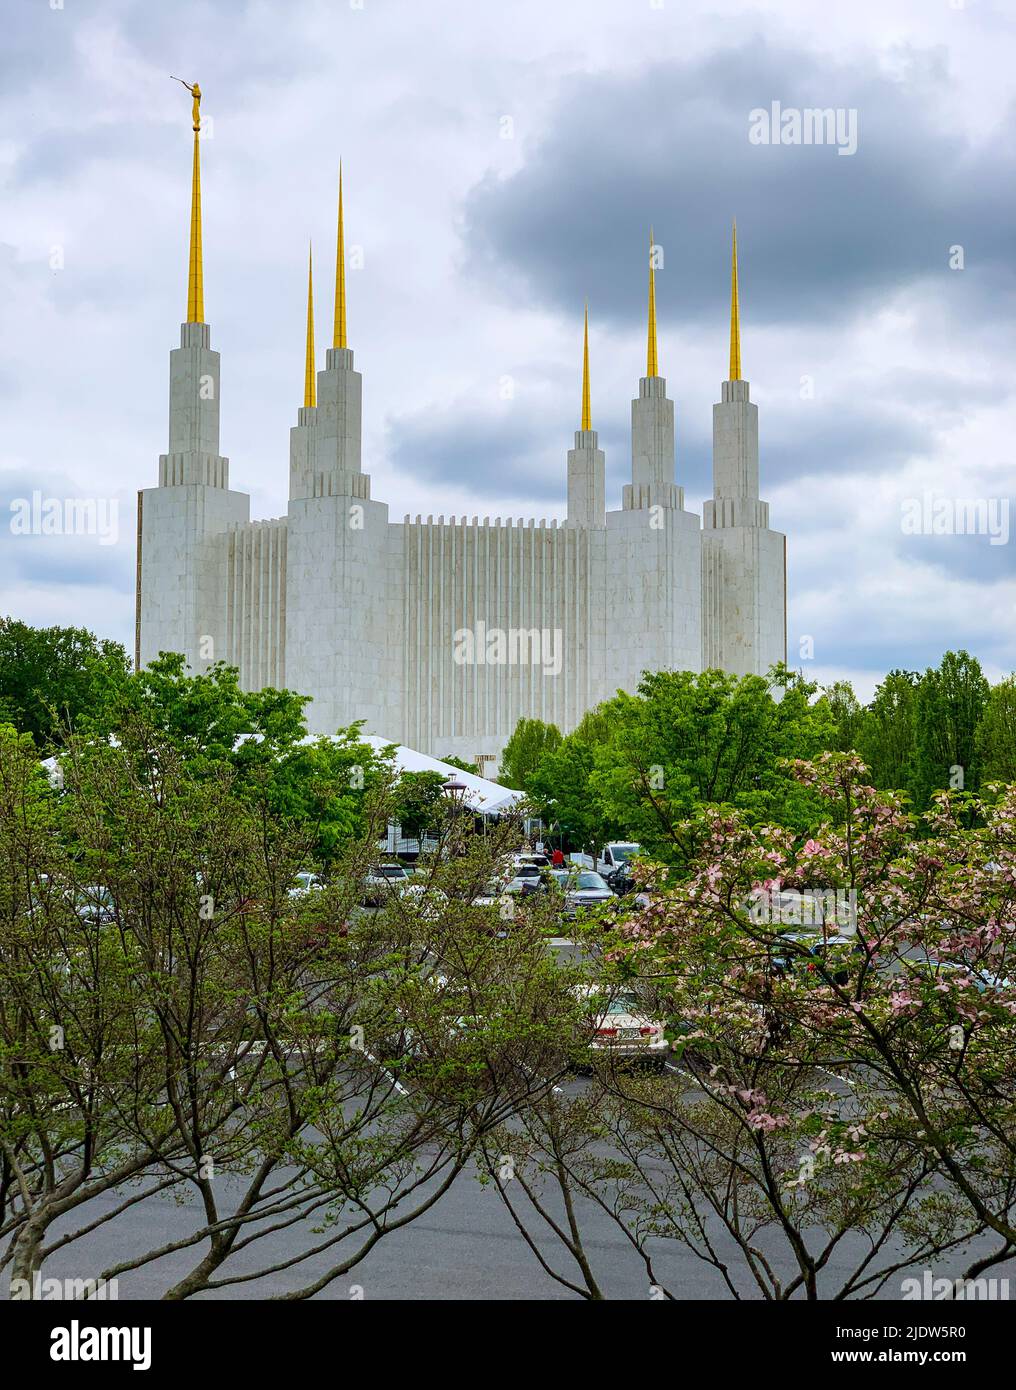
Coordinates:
<point>490,894</point>
<point>522,885</point>
<point>616,856</point>
<point>622,1027</point>
<point>305,882</point>
<point>524,868</point>
<point>538,861</point>
<point>613,856</point>
<point>382,881</point>
<point>94,904</point>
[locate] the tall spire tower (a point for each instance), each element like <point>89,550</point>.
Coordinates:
<point>309,376</point>
<point>744,581</point>
<point>193,455</point>
<point>303,435</point>
<point>735,423</point>
<point>735,314</point>
<point>337,452</point>
<point>339,333</point>
<point>587,410</point>
<point>586,464</point>
<point>652,423</point>
<point>195,268</point>
<point>652,357</point>
<point>180,607</point>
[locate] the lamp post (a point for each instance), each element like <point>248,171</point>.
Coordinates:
<point>455,789</point>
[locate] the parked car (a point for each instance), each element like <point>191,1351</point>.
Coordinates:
<point>94,904</point>
<point>540,860</point>
<point>613,856</point>
<point>622,881</point>
<point>808,953</point>
<point>585,890</point>
<point>381,881</point>
<point>546,880</point>
<point>616,856</point>
<point>494,894</point>
<point>524,868</point>
<point>622,1027</point>
<point>490,894</point>
<point>982,980</point>
<point>305,882</point>
<point>524,884</point>
<point>581,888</point>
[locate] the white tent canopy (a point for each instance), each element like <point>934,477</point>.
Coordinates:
<point>484,797</point>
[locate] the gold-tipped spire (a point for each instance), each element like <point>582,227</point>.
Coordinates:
<point>652,359</point>
<point>310,376</point>
<point>195,270</point>
<point>339,334</point>
<point>587,413</point>
<point>735,315</point>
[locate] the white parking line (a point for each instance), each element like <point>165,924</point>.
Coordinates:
<point>397,1084</point>
<point>835,1076</point>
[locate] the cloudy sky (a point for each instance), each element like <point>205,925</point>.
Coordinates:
<point>501,164</point>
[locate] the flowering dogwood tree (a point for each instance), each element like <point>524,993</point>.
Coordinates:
<point>842,1098</point>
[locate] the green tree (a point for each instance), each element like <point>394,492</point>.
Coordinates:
<point>416,803</point>
<point>205,716</point>
<point>950,702</point>
<point>52,677</point>
<point>848,714</point>
<point>829,1086</point>
<point>996,734</point>
<point>689,738</point>
<point>208,1022</point>
<point>531,742</point>
<point>259,736</point>
<point>559,785</point>
<point>889,736</point>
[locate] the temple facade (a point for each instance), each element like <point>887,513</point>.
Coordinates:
<point>441,633</point>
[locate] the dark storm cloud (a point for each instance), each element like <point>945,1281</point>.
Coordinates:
<point>821,236</point>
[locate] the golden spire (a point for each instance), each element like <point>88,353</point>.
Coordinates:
<point>339,334</point>
<point>735,315</point>
<point>310,377</point>
<point>587,414</point>
<point>195,272</point>
<point>652,361</point>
